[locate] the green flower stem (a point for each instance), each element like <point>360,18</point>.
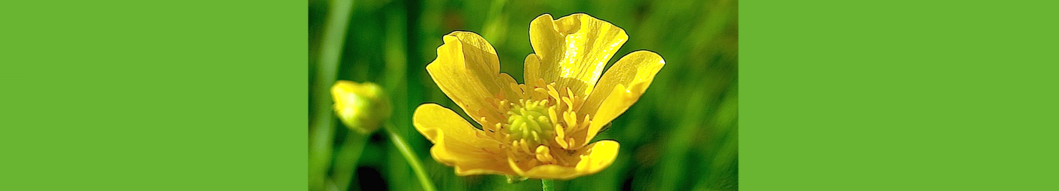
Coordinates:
<point>347,157</point>
<point>411,157</point>
<point>548,185</point>
<point>321,133</point>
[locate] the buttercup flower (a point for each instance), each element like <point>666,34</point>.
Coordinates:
<point>360,106</point>
<point>541,128</point>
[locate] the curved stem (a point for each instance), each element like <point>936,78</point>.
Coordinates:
<point>411,157</point>
<point>547,185</point>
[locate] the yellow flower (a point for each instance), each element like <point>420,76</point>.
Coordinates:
<point>362,107</point>
<point>541,128</point>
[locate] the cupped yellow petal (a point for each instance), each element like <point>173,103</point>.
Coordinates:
<point>467,71</point>
<point>457,143</point>
<point>593,158</point>
<point>573,50</point>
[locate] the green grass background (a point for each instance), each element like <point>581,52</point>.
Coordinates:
<point>681,135</point>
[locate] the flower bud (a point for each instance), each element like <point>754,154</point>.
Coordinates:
<point>362,107</point>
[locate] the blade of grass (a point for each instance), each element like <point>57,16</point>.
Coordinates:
<point>346,159</point>
<point>322,130</point>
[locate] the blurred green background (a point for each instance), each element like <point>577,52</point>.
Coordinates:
<point>681,135</point>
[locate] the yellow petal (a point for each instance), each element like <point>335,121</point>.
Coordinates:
<point>467,70</point>
<point>510,87</point>
<point>598,156</point>
<point>457,143</point>
<point>531,72</point>
<point>636,67</point>
<point>620,99</point>
<point>593,159</point>
<point>610,99</point>
<point>552,171</point>
<point>574,49</point>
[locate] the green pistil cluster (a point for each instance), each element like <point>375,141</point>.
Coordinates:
<point>528,120</point>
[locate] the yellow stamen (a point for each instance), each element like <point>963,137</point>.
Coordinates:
<point>544,155</point>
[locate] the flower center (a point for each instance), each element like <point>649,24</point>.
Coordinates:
<point>529,121</point>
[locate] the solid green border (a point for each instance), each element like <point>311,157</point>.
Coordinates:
<point>158,95</point>
<point>898,95</point>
